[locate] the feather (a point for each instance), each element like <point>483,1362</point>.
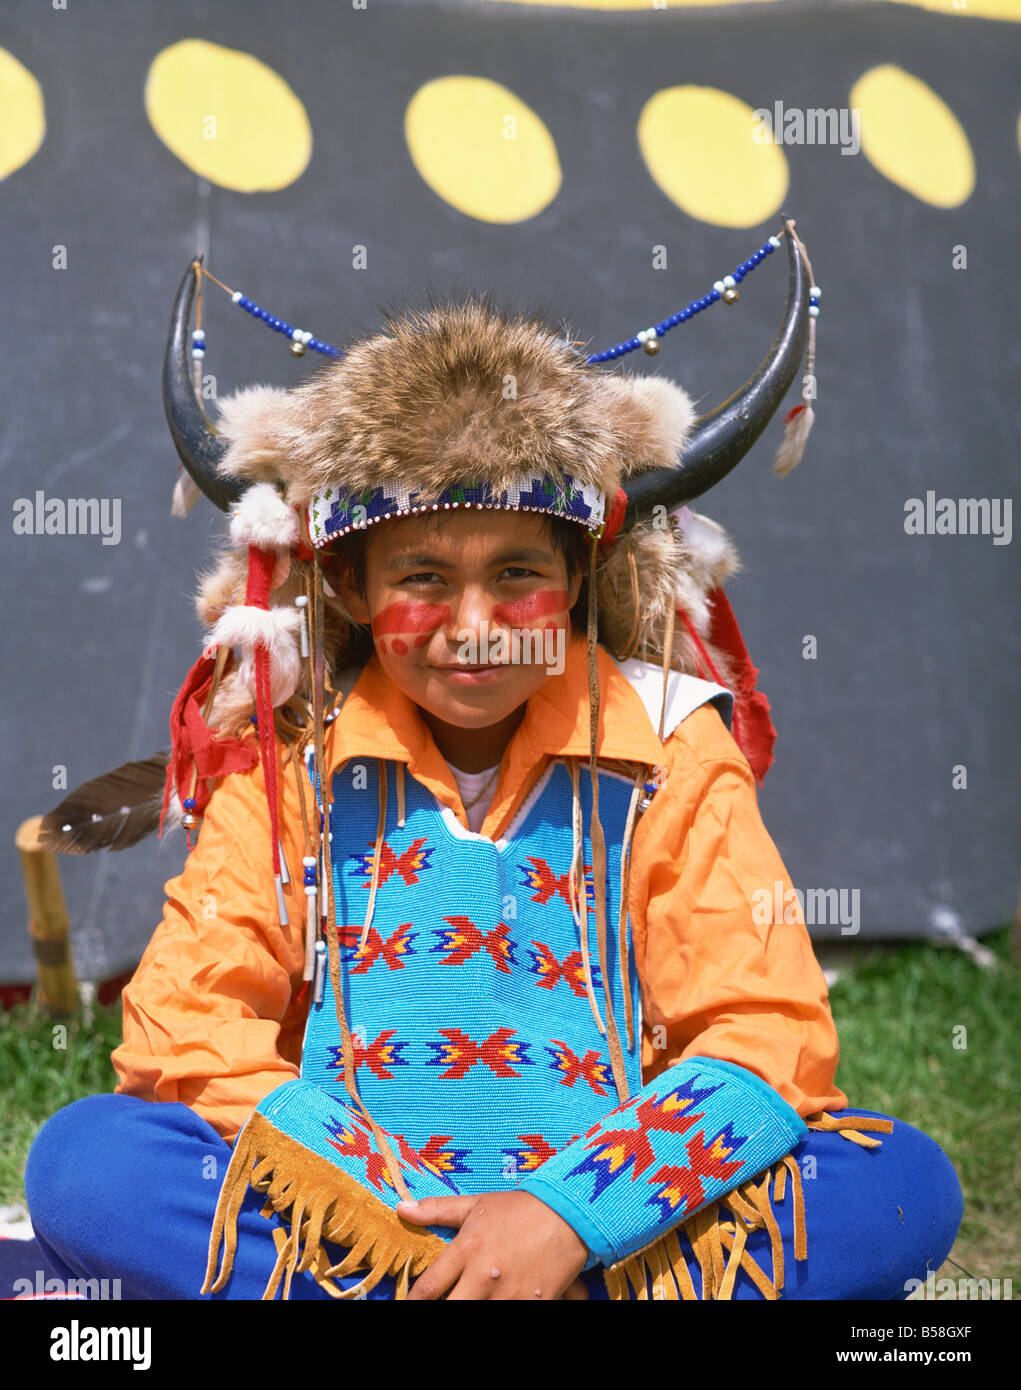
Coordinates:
<point>110,812</point>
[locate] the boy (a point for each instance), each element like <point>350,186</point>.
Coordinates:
<point>531,1039</point>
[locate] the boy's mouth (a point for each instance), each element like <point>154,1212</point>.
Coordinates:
<point>470,674</point>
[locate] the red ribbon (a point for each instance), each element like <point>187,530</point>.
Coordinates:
<point>195,748</point>
<point>753,729</point>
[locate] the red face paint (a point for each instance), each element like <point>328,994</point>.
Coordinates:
<point>525,612</point>
<point>409,619</point>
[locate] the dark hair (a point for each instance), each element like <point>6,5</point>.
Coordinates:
<point>567,537</point>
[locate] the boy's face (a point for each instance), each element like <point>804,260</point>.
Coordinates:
<point>438,596</point>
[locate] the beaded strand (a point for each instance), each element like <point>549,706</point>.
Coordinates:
<point>648,338</point>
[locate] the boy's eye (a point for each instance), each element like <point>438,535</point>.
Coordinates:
<point>421,578</point>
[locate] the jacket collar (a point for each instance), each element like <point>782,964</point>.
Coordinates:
<point>377,719</point>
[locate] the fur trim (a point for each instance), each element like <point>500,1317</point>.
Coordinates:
<point>453,393</point>
<point>651,417</point>
<point>245,627</point>
<point>186,493</point>
<point>261,517</point>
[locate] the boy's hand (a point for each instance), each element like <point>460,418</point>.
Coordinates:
<point>509,1246</point>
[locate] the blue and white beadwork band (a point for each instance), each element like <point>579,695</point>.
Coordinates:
<point>334,512</point>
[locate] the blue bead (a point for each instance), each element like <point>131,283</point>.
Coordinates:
<point>254,719</point>
<point>715,296</point>
<point>769,248</point>
<point>739,275</point>
<point>188,803</point>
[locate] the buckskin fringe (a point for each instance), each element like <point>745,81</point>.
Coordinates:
<point>324,1204</point>
<point>718,1233</point>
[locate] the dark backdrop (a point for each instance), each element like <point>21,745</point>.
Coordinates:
<point>918,371</point>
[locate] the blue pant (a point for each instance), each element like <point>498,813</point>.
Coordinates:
<point>122,1188</point>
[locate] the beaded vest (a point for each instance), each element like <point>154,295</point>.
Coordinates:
<point>475,1040</point>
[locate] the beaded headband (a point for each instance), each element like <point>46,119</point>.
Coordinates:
<point>333,513</point>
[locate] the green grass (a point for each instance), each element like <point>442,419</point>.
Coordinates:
<point>46,1064</point>
<point>896,1010</point>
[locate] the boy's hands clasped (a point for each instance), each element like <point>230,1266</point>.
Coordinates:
<point>509,1246</point>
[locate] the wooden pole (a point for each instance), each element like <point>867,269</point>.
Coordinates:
<point>47,921</point>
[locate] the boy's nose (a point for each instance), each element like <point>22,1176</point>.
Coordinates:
<point>470,609</point>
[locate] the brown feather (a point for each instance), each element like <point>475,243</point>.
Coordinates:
<point>109,812</point>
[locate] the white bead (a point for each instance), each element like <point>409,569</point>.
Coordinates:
<point>198,352</point>
<point>300,601</point>
<point>642,336</point>
<point>307,336</point>
<point>308,862</point>
<point>198,335</point>
<point>774,241</point>
<point>816,291</point>
<point>729,282</point>
<point>236,297</point>
<point>813,310</point>
<point>719,286</point>
<point>310,890</point>
<point>651,333</point>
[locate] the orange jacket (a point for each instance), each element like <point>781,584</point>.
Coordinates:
<point>212,1018</point>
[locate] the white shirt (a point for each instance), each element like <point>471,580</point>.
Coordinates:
<point>469,784</point>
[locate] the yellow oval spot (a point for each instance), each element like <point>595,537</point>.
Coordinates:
<point>912,137</point>
<point>708,153</point>
<point>481,149</point>
<point>22,114</point>
<point>228,117</point>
